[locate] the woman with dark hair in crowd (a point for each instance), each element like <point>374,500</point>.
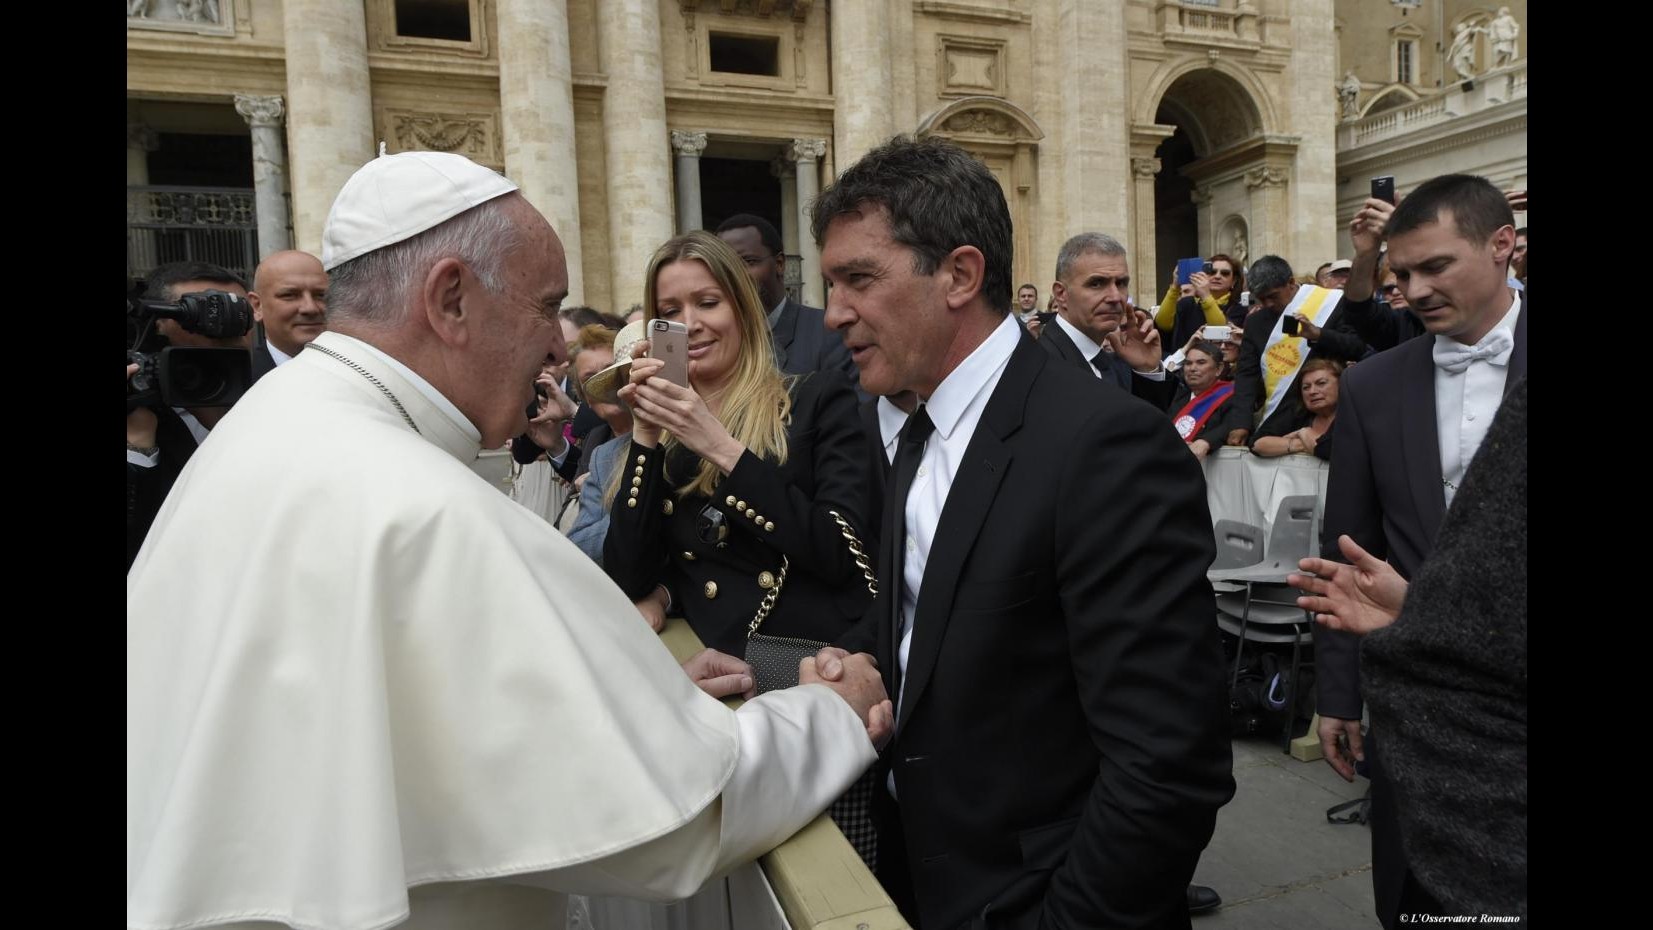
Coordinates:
<point>1213,302</point>
<point>738,502</point>
<point>1201,408</point>
<point>1309,431</point>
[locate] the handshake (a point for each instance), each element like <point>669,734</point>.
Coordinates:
<point>854,678</point>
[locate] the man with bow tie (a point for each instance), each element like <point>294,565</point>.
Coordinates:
<point>1409,421</point>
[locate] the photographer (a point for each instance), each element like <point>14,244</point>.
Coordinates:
<point>159,438</point>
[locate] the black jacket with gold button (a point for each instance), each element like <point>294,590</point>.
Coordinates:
<point>718,557</point>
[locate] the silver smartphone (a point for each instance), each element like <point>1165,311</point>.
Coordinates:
<point>669,342</point>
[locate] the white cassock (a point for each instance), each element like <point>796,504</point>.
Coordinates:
<point>364,687</point>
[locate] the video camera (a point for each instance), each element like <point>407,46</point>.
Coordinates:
<point>188,377</point>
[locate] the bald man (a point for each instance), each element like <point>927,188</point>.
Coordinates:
<point>289,297</point>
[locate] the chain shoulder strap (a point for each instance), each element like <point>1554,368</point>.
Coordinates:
<point>856,551</point>
<point>768,602</point>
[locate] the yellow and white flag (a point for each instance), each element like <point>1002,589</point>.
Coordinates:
<point>1284,355</point>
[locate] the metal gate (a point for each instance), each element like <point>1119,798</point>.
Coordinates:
<point>204,224</point>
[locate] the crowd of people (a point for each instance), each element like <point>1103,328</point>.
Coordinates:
<point>884,518</point>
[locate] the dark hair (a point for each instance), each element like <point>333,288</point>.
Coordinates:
<point>1268,273</point>
<point>581,317</point>
<point>1211,349</point>
<point>939,198</point>
<point>1024,287</point>
<point>161,279</point>
<point>766,230</point>
<point>1478,209</point>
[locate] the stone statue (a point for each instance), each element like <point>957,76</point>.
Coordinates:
<point>1462,53</point>
<point>1348,94</point>
<point>195,11</point>
<point>1238,250</point>
<point>1503,32</point>
<point>138,8</point>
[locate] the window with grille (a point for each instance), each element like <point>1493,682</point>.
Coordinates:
<point>1406,54</point>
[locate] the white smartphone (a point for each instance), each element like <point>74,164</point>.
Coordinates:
<point>669,342</point>
<point>1214,333</point>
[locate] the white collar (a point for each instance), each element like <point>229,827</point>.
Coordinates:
<point>955,392</point>
<point>890,421</point>
<point>280,357</point>
<point>1087,346</point>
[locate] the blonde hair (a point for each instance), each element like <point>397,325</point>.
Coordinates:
<point>756,405</point>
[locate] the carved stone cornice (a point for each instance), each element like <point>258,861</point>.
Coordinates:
<point>1265,176</point>
<point>260,111</point>
<point>688,143</point>
<point>1145,168</point>
<point>807,149</point>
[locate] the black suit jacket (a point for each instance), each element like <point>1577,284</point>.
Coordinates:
<point>146,488</point>
<point>1062,744</point>
<point>263,361</point>
<point>878,466</point>
<point>804,344</point>
<point>1055,341</point>
<point>1337,341</point>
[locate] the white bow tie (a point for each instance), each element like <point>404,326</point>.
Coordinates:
<point>1455,356</point>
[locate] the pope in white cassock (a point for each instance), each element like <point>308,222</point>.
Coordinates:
<point>365,689</point>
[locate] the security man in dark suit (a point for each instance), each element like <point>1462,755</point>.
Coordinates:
<point>802,341</point>
<point>1096,326</point>
<point>1408,422</point>
<point>1061,746</point>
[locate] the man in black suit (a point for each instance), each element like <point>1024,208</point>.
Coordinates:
<point>1061,746</point>
<point>1408,422</point>
<point>802,341</point>
<point>1093,316</point>
<point>1274,289</point>
<point>159,439</point>
<point>289,297</point>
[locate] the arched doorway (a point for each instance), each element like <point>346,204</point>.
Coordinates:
<point>1198,147</point>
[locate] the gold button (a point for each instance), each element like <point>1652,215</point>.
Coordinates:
<point>711,590</point>
<point>750,513</point>
<point>638,470</point>
<point>730,500</point>
<point>740,505</point>
<point>667,507</point>
<point>769,527</point>
<point>757,518</point>
<point>766,580</point>
<point>637,482</point>
<point>633,492</point>
<point>632,502</point>
<point>688,556</point>
<point>641,459</point>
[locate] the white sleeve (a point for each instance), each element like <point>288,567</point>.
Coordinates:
<point>799,750</point>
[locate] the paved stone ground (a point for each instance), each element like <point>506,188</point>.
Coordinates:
<point>1275,860</point>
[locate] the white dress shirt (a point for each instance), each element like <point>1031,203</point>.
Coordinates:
<point>1089,348</point>
<point>890,421</point>
<point>1466,401</point>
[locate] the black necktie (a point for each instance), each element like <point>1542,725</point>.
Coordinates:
<point>908,451</point>
<point>1110,369</point>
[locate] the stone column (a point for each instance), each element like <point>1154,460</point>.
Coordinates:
<point>1308,236</point>
<point>806,152</point>
<point>1097,183</point>
<point>263,114</point>
<point>688,146</point>
<point>140,141</point>
<point>536,97</point>
<point>330,106</point>
<point>861,79</point>
<point>787,171</point>
<point>1270,220</point>
<point>634,141</point>
<point>1144,268</point>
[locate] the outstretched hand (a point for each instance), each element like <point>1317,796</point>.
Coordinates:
<point>1360,597</point>
<point>720,674</point>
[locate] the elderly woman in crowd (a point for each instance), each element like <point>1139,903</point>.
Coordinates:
<point>1201,408</point>
<point>1212,301</point>
<point>594,354</point>
<point>1309,430</point>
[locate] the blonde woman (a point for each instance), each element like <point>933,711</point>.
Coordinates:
<point>731,483</point>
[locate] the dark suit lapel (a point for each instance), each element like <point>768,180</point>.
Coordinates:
<point>1065,349</point>
<point>1518,355</point>
<point>1420,436</point>
<point>786,329</point>
<point>986,460</point>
